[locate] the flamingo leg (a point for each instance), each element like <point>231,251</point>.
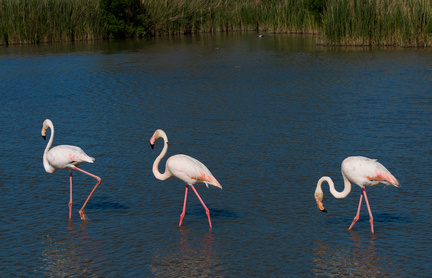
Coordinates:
<point>182,215</point>
<point>70,200</point>
<point>369,209</point>
<point>81,211</point>
<point>358,211</point>
<point>202,202</point>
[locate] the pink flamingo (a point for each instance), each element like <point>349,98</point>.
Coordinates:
<point>66,157</point>
<point>362,171</point>
<point>184,167</point>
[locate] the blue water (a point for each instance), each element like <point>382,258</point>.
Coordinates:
<point>268,116</point>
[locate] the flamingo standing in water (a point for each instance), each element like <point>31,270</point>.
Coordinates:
<point>184,167</point>
<point>66,157</point>
<point>362,171</point>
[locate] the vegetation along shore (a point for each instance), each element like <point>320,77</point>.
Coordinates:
<point>405,23</point>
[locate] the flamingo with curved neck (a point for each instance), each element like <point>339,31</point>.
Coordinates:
<point>167,174</point>
<point>185,168</point>
<point>66,157</point>
<point>364,172</point>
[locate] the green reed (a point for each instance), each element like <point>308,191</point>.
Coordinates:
<point>377,22</point>
<point>189,16</point>
<point>342,22</point>
<point>35,21</point>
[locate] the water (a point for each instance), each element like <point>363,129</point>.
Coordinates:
<point>268,116</point>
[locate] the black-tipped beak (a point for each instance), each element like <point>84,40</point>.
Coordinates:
<point>152,146</point>
<point>320,206</point>
<point>44,137</point>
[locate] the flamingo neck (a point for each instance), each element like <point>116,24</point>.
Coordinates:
<point>167,174</point>
<point>46,164</point>
<point>333,191</point>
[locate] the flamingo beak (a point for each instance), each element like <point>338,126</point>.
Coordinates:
<point>152,141</point>
<point>320,206</point>
<point>43,133</point>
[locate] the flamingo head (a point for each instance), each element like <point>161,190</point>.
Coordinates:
<point>46,124</point>
<point>159,133</point>
<point>319,196</point>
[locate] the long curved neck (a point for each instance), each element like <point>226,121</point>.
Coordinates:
<point>333,191</point>
<point>156,173</point>
<point>46,164</point>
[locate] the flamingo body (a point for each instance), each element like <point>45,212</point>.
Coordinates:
<point>185,168</point>
<point>190,170</point>
<point>66,157</point>
<point>364,172</point>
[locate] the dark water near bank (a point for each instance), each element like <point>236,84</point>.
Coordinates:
<point>268,116</point>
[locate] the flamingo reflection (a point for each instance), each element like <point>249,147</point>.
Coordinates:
<point>193,257</point>
<point>67,254</point>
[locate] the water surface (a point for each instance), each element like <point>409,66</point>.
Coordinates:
<point>268,116</point>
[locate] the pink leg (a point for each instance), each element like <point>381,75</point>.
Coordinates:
<point>184,206</point>
<point>358,211</point>
<point>70,200</point>
<point>81,211</point>
<point>202,202</point>
<point>369,209</point>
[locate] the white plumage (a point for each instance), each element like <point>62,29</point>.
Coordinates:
<point>190,170</point>
<point>362,171</point>
<point>185,168</point>
<point>367,172</point>
<point>66,157</point>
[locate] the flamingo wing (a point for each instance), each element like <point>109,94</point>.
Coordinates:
<point>190,170</point>
<point>365,171</point>
<point>66,156</point>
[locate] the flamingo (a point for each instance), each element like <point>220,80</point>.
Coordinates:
<point>362,171</point>
<point>184,167</point>
<point>66,157</point>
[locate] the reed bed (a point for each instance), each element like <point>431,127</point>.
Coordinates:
<point>190,16</point>
<point>36,21</point>
<point>377,22</point>
<point>340,22</point>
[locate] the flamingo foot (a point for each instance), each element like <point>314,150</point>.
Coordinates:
<point>70,210</point>
<point>354,221</point>
<point>181,218</point>
<point>83,216</point>
<point>208,216</point>
<point>372,226</point>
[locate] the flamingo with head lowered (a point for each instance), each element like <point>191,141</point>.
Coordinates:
<point>66,157</point>
<point>364,172</point>
<point>184,167</point>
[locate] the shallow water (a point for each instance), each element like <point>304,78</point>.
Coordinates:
<point>268,116</point>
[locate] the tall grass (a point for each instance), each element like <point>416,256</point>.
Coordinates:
<point>377,22</point>
<point>338,22</point>
<point>189,16</point>
<point>35,21</point>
